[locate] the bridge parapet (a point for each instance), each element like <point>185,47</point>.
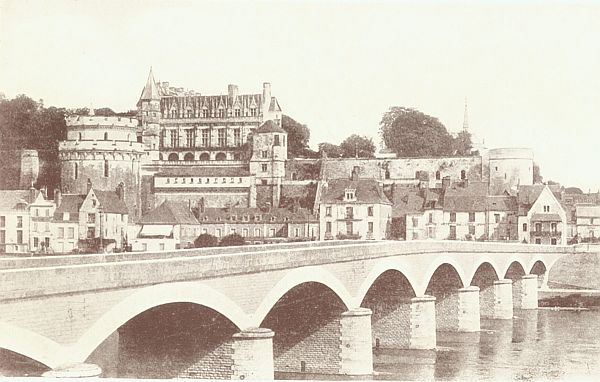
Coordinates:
<point>197,264</point>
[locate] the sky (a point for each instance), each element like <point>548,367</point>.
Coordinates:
<point>530,71</point>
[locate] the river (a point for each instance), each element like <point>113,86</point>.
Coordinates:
<point>541,344</point>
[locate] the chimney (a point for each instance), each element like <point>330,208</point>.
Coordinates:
<point>355,172</point>
<point>266,95</point>
<point>201,207</point>
<point>57,197</point>
<point>32,191</point>
<point>232,90</point>
<point>445,182</point>
<point>120,191</point>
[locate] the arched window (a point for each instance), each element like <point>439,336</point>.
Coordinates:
<point>76,172</point>
<point>188,157</point>
<point>463,174</point>
<point>438,175</point>
<point>106,136</point>
<point>79,136</point>
<point>236,156</point>
<point>173,157</point>
<point>221,156</point>
<point>160,156</point>
<point>294,176</point>
<point>205,157</point>
<point>387,174</point>
<point>106,169</point>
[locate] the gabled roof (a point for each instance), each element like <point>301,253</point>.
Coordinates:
<point>70,203</point>
<point>469,198</point>
<point>150,91</point>
<point>170,213</point>
<point>367,191</point>
<point>269,127</point>
<point>110,202</point>
<point>274,106</point>
<point>406,200</point>
<point>502,203</point>
<point>528,194</point>
<point>9,199</point>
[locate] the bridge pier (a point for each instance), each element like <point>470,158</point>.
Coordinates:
<point>496,300</point>
<point>252,355</point>
<point>459,311</point>
<point>525,292</point>
<point>75,370</point>
<point>410,324</point>
<point>356,354</point>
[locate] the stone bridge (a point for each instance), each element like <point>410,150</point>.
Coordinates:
<point>247,312</point>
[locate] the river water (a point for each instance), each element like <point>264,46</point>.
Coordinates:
<point>537,345</point>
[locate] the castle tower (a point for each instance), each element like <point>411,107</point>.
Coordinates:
<point>149,116</point>
<point>105,152</point>
<point>30,168</point>
<point>269,153</point>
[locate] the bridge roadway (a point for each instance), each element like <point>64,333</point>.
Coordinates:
<point>314,307</point>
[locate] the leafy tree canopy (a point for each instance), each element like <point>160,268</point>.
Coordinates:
<point>331,150</point>
<point>358,146</point>
<point>411,133</point>
<point>298,136</point>
<point>206,240</point>
<point>232,240</point>
<point>463,144</point>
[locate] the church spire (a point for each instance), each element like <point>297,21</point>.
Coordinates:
<point>150,91</point>
<point>466,119</point>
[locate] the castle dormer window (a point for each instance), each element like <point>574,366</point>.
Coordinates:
<point>350,195</point>
<point>253,111</point>
<point>237,112</point>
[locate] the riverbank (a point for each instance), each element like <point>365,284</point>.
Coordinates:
<point>573,282</point>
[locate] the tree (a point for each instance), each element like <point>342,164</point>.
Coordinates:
<point>104,112</point>
<point>206,240</point>
<point>358,146</point>
<point>297,137</point>
<point>331,150</point>
<point>232,240</point>
<point>410,133</point>
<point>463,144</point>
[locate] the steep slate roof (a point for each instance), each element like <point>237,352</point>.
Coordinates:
<point>406,200</point>
<point>273,215</point>
<point>204,171</point>
<point>274,106</point>
<point>169,213</point>
<point>472,198</point>
<point>502,203</point>
<point>269,127</point>
<point>367,191</point>
<point>70,203</point>
<point>10,198</point>
<point>150,91</point>
<point>110,202</point>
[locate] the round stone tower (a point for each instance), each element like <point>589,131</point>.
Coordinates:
<point>269,153</point>
<point>508,168</point>
<point>105,151</point>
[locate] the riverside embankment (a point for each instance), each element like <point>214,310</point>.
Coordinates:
<point>573,280</point>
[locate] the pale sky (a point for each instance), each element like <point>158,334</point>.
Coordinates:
<point>530,72</point>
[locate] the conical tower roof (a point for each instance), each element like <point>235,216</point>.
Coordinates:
<point>150,91</point>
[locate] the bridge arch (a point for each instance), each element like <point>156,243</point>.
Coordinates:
<point>494,263</point>
<point>32,345</point>
<point>407,269</point>
<point>513,261</point>
<point>433,267</point>
<point>296,277</point>
<point>150,297</point>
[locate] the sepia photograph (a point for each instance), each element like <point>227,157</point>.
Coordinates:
<point>300,190</point>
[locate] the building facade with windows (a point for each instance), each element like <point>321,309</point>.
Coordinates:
<point>542,219</point>
<point>14,221</point>
<point>354,208</point>
<point>41,211</point>
<point>587,222</point>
